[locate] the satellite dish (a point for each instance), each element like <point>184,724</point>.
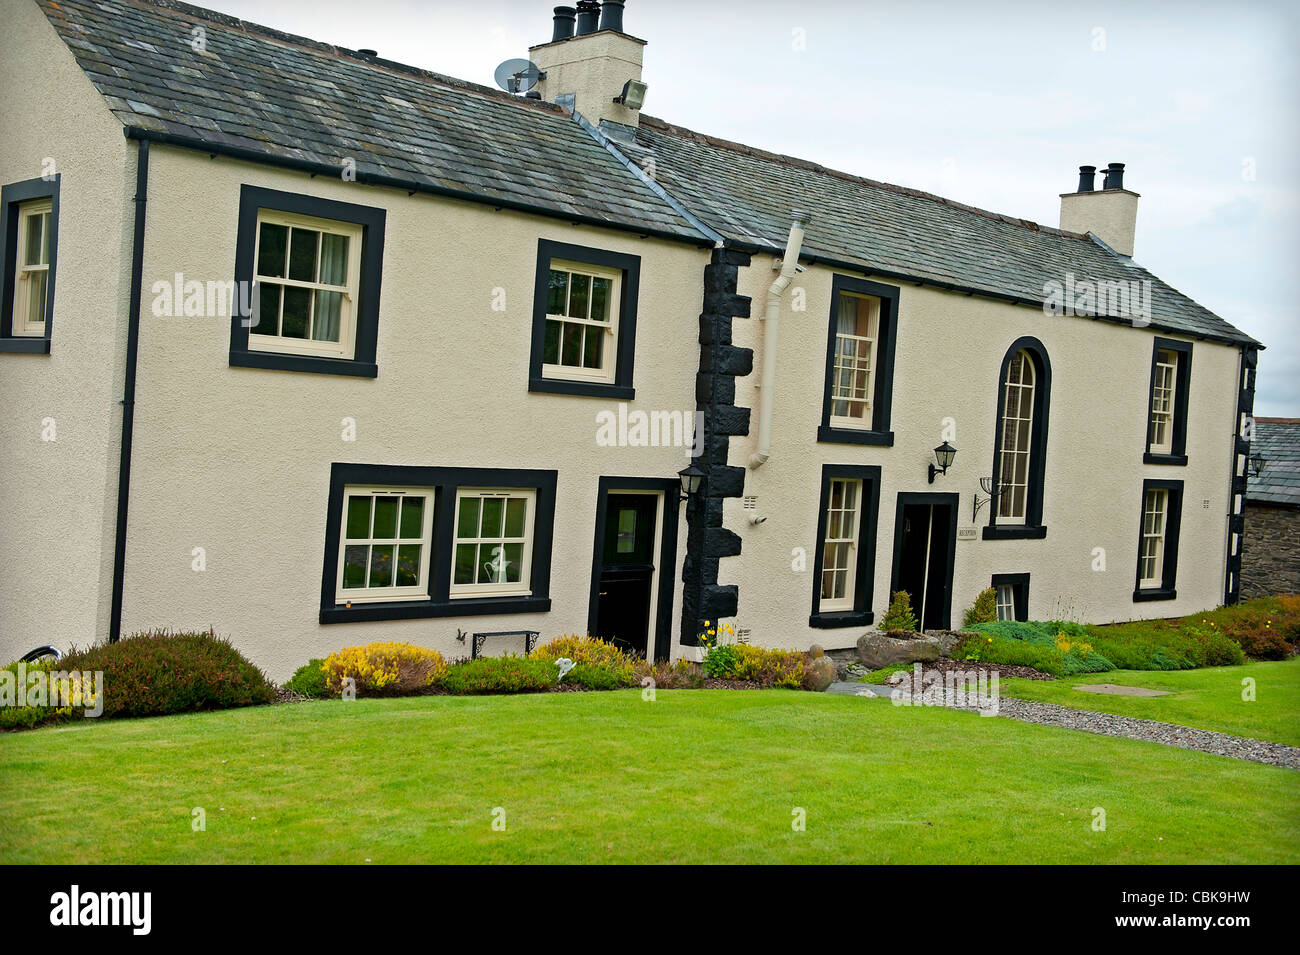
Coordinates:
<point>517,76</point>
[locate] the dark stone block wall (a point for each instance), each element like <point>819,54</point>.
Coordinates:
<point>707,541</point>
<point>1270,551</point>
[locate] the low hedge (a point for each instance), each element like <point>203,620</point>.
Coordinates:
<point>1059,647</point>
<point>154,674</point>
<point>589,653</point>
<point>310,680</point>
<point>508,674</point>
<point>384,669</point>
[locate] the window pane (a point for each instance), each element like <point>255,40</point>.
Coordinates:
<point>354,566</point>
<point>328,308</point>
<point>572,345</point>
<point>600,296</point>
<point>465,563</point>
<point>467,520</point>
<point>551,346</point>
<point>45,238</point>
<point>493,509</point>
<point>381,565</point>
<point>32,241</point>
<point>358,518</point>
<point>514,562</point>
<point>593,348</point>
<point>408,565</point>
<point>412,517</point>
<point>297,312</point>
<point>271,249</point>
<point>491,564</point>
<point>333,259</point>
<point>36,296</point>
<point>385,518</point>
<point>516,509</point>
<point>557,291</point>
<point>579,293</point>
<point>267,319</point>
<point>302,255</point>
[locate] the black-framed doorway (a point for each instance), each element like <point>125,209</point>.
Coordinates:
<point>925,549</point>
<point>618,580</point>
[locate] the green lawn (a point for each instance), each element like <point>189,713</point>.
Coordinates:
<point>1206,699</point>
<point>697,776</point>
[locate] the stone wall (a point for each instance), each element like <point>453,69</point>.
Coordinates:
<point>1270,553</point>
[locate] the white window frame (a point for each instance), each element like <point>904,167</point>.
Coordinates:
<point>1006,601</point>
<point>852,367</point>
<point>846,601</point>
<point>23,274</point>
<point>1163,392</point>
<point>1011,454</point>
<point>523,587</point>
<point>609,351</point>
<point>1151,554</point>
<point>370,594</point>
<point>345,347</point>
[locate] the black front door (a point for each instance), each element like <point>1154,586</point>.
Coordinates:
<point>923,557</point>
<point>627,571</point>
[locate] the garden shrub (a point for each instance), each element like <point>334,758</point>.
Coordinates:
<point>720,661</point>
<point>677,675</point>
<point>899,616</point>
<point>310,680</point>
<point>156,674</point>
<point>595,677</point>
<point>982,648</point>
<point>984,610</point>
<point>783,668</point>
<point>508,674</point>
<point>591,651</point>
<point>385,669</point>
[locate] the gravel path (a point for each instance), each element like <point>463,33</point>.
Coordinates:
<point>1126,727</point>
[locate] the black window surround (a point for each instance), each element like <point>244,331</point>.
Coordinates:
<point>10,198</point>
<point>865,571</point>
<point>1178,442</point>
<point>1031,528</point>
<point>1173,520</point>
<point>883,388</point>
<point>444,481</point>
<point>1019,584</point>
<point>372,220</point>
<point>630,265</point>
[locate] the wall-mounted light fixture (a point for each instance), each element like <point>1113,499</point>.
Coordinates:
<point>1256,464</point>
<point>691,477</point>
<point>633,95</point>
<point>943,454</point>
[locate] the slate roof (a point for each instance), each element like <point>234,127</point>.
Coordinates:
<point>271,93</point>
<point>748,194</point>
<point>259,93</point>
<point>1278,440</point>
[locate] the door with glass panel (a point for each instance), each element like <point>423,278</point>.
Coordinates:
<point>627,571</point>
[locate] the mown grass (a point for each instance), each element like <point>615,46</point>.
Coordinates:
<point>1210,698</point>
<point>695,776</point>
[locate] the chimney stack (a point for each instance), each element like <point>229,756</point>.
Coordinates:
<point>591,65</point>
<point>564,17</point>
<point>1109,213</point>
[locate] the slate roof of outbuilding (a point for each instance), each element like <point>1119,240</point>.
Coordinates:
<point>1278,440</point>
<point>257,92</point>
<point>254,88</point>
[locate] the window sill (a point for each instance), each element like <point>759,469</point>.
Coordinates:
<point>1142,596</point>
<point>25,345</point>
<point>1177,460</point>
<point>829,435</point>
<point>413,609</point>
<point>1014,532</point>
<point>588,389</point>
<point>280,361</point>
<point>841,618</point>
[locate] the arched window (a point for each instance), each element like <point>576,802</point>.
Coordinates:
<point>1020,442</point>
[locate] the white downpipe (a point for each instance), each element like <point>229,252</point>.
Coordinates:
<point>771,333</point>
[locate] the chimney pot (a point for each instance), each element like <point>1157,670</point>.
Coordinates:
<point>1114,176</point>
<point>611,15</point>
<point>1087,176</point>
<point>588,13</point>
<point>563,23</point>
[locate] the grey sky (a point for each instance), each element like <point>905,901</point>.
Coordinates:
<point>991,103</point>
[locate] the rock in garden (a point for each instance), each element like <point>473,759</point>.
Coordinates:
<point>819,673</point>
<point>877,650</point>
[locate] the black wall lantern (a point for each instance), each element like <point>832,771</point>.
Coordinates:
<point>1256,463</point>
<point>944,454</point>
<point>691,478</point>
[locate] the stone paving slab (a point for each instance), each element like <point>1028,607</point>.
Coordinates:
<point>1117,689</point>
